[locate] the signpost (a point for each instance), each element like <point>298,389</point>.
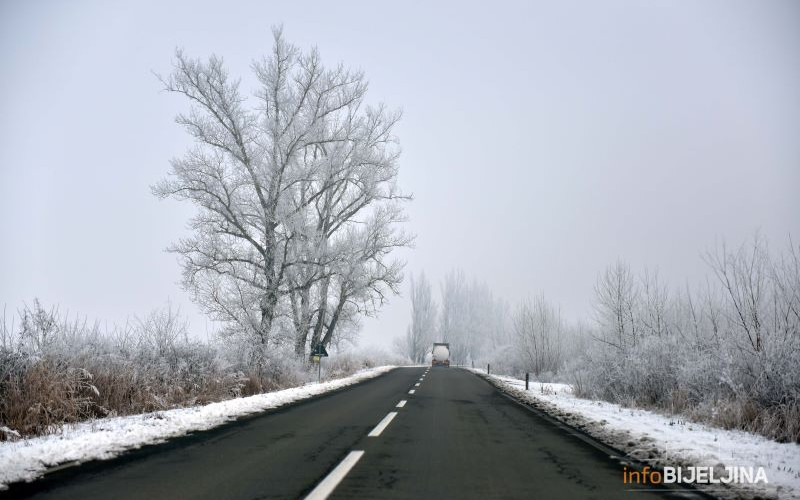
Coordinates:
<point>317,353</point>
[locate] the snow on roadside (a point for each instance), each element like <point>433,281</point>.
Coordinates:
<point>668,441</point>
<point>106,438</point>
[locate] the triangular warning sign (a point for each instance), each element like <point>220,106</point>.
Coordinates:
<point>319,350</point>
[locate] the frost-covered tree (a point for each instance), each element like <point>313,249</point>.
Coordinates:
<point>470,318</point>
<point>654,305</point>
<point>295,189</point>
<point>358,276</point>
<point>499,333</point>
<point>538,331</point>
<point>421,331</point>
<point>744,276</point>
<point>350,230</point>
<point>616,299</point>
<point>453,315</point>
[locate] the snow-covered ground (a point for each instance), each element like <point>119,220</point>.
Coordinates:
<point>105,438</point>
<point>662,440</point>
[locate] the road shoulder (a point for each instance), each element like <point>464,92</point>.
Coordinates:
<point>646,438</point>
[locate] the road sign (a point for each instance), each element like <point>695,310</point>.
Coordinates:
<point>319,350</point>
<point>317,354</point>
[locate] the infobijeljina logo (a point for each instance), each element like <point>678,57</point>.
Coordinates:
<point>694,475</point>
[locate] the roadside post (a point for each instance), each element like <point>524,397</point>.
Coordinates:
<point>527,379</point>
<point>488,367</point>
<point>317,354</point>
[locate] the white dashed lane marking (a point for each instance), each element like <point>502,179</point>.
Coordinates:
<point>332,480</point>
<point>382,425</point>
<point>326,487</point>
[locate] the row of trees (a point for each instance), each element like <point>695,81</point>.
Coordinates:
<point>726,351</point>
<point>482,328</point>
<point>298,205</point>
<point>469,317</point>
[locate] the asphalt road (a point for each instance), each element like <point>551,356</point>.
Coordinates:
<point>455,437</point>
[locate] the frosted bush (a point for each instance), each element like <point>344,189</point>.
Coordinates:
<point>732,359</point>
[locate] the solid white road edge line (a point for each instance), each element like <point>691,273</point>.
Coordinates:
<point>401,403</point>
<point>411,391</point>
<point>382,424</point>
<point>333,479</point>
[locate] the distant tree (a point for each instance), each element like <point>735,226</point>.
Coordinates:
<point>499,331</point>
<point>785,278</point>
<point>538,331</point>
<point>471,320</point>
<point>654,305</point>
<point>421,331</point>
<point>453,315</point>
<point>616,299</point>
<point>744,276</point>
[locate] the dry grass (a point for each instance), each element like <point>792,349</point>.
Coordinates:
<point>48,393</point>
<point>781,423</point>
<point>41,396</point>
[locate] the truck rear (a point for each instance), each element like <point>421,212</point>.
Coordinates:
<point>440,354</point>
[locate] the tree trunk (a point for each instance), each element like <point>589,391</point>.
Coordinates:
<point>335,318</point>
<point>268,303</point>
<point>323,307</point>
<point>302,323</point>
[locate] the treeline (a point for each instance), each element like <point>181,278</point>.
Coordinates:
<point>726,351</point>
<point>468,317</point>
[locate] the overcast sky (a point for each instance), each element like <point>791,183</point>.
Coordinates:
<point>542,140</point>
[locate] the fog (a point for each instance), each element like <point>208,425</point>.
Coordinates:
<point>542,141</point>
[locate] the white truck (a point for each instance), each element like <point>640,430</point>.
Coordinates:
<point>440,356</point>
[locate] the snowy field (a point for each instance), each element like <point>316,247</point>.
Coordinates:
<point>668,440</point>
<point>106,438</point>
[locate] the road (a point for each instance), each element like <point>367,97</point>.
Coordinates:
<point>455,436</point>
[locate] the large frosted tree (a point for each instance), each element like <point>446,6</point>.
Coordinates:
<point>293,188</point>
